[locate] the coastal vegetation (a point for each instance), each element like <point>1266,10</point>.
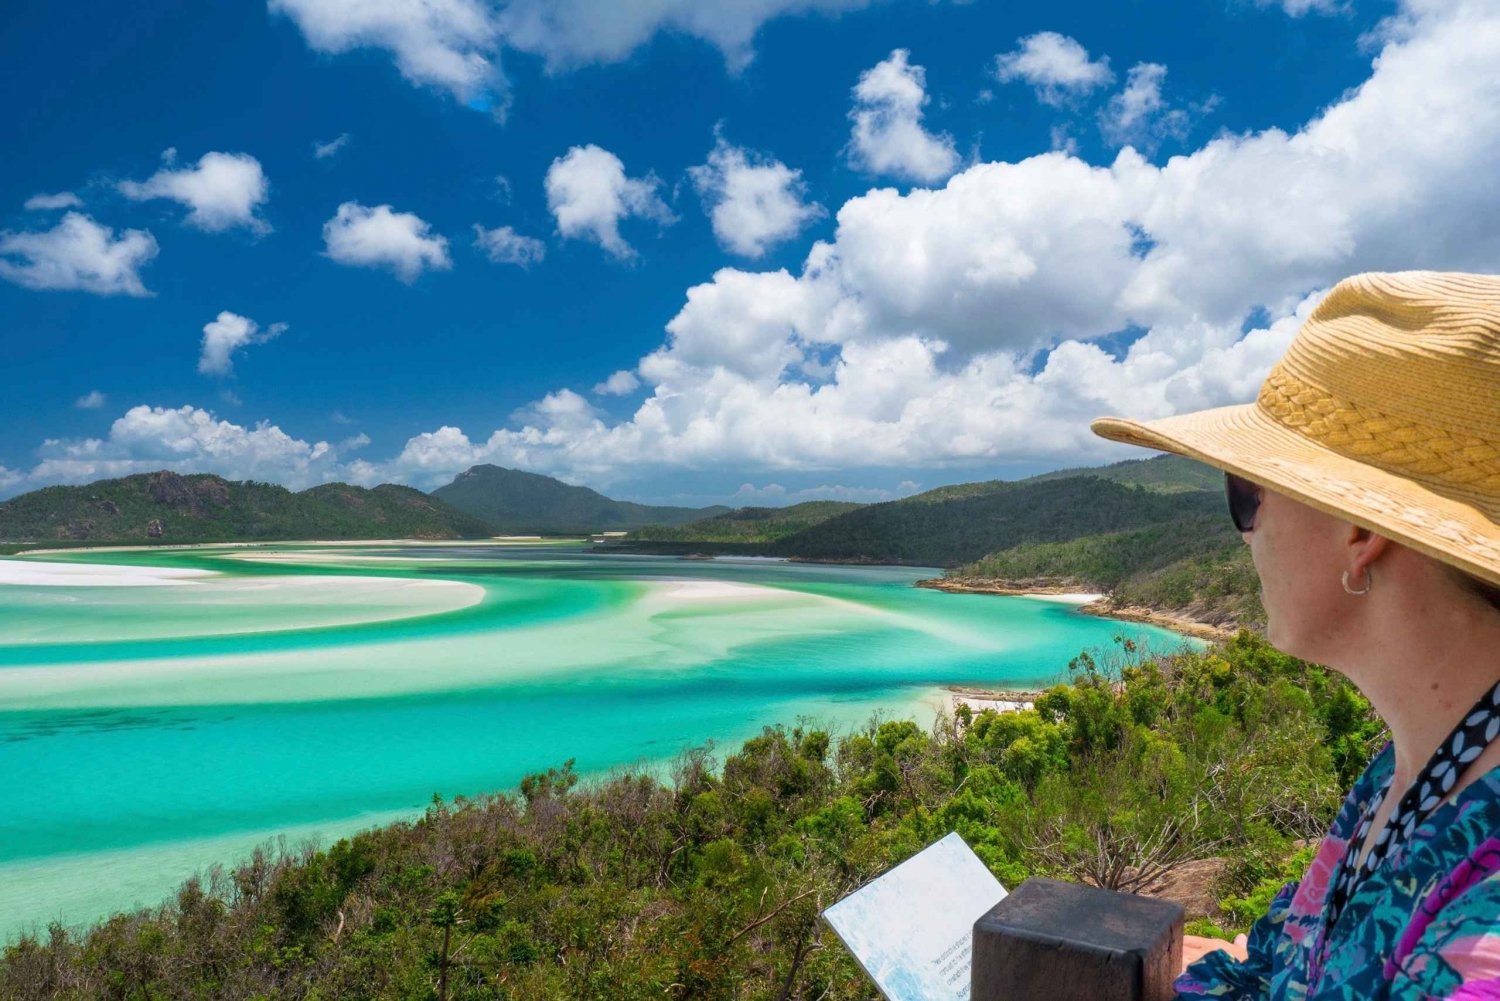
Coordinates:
<point>1195,568</point>
<point>708,883</point>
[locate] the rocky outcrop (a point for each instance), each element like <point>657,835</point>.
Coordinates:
<point>191,497</point>
<point>1191,884</point>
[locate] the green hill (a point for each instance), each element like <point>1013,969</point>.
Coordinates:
<point>748,524</point>
<point>165,507</point>
<point>961,522</point>
<point>1108,559</point>
<point>950,526</point>
<point>513,501</point>
<point>1164,473</point>
<point>1197,567</point>
<point>958,524</point>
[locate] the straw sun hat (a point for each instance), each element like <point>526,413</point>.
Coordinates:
<point>1385,412</point>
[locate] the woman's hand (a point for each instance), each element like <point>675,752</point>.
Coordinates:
<point>1195,947</point>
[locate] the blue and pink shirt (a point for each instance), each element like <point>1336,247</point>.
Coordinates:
<point>1425,924</point>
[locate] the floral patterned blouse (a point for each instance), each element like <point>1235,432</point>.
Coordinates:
<point>1425,924</point>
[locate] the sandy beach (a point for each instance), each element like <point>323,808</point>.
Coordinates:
<point>1086,602</point>
<point>978,700</point>
<point>1150,616</point>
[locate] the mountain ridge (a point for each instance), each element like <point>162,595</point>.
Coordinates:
<point>512,500</point>
<point>166,507</point>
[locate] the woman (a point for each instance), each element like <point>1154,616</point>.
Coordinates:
<point>1366,480</point>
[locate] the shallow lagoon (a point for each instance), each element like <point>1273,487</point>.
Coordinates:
<point>185,705</point>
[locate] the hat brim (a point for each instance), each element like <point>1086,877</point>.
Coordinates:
<point>1245,441</point>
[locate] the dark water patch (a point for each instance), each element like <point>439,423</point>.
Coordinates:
<point>34,726</point>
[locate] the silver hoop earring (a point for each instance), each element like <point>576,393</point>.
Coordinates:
<point>1369,581</point>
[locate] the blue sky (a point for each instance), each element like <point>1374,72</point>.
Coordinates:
<point>824,247</point>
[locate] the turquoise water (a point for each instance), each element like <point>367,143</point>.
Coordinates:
<point>148,730</point>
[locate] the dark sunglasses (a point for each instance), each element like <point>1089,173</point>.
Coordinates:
<point>1244,501</point>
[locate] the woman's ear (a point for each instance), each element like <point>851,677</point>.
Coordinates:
<point>1365,547</point>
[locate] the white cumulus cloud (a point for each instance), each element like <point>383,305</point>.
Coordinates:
<point>1057,67</point>
<point>226,334</point>
<point>92,400</point>
<point>1139,114</point>
<point>504,245</point>
<point>185,439</point>
<point>332,148</point>
<point>381,237</point>
<point>447,44</point>
<point>589,195</point>
<point>78,254</point>
<point>621,383</point>
<point>573,32</point>
<point>1299,8</point>
<point>222,191</point>
<point>456,45</point>
<point>888,135</point>
<point>61,200</point>
<point>755,202</point>
<point>968,326</point>
<point>987,322</point>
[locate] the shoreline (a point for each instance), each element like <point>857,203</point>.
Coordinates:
<point>1002,700</point>
<point>1097,605</point>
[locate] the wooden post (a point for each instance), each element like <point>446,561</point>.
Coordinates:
<point>1053,940</point>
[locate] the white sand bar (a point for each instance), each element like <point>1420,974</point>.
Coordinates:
<point>143,603</point>
<point>33,573</point>
<point>717,590</point>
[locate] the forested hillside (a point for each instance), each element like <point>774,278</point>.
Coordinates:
<point>709,885</point>
<point>748,524</point>
<point>1168,473</point>
<point>954,525</point>
<point>962,522</point>
<point>1198,568</point>
<point>947,527</point>
<point>165,507</point>
<point>512,501</point>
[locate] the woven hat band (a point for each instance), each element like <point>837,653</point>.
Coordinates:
<point>1448,462</point>
<point>1417,345</point>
